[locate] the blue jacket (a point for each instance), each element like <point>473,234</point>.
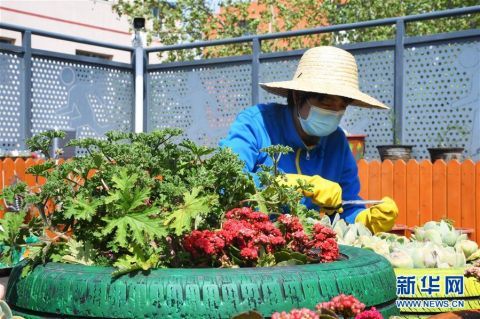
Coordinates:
<point>263,125</point>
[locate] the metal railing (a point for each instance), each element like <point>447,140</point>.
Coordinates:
<point>398,43</point>
<point>26,52</point>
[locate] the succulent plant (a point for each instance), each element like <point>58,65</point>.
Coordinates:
<point>400,259</point>
<point>435,245</point>
<point>468,247</point>
<point>440,233</point>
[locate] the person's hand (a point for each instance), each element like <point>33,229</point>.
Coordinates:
<point>380,217</point>
<point>324,193</point>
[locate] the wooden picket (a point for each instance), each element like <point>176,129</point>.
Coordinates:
<point>375,180</point>
<point>387,178</point>
<point>423,191</point>
<point>1,185</point>
<point>454,197</point>
<point>439,192</point>
<point>477,202</point>
<point>467,191</point>
<point>363,175</point>
<point>400,190</point>
<point>30,179</point>
<point>8,175</point>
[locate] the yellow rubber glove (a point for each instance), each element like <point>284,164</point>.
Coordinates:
<point>380,217</point>
<point>324,193</point>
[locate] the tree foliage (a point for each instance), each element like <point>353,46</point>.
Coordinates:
<point>195,20</point>
<point>357,10</point>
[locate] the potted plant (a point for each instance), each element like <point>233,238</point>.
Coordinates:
<point>395,151</point>
<point>446,141</point>
<point>143,226</point>
<point>357,145</point>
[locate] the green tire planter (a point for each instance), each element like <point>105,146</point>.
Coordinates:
<point>57,290</point>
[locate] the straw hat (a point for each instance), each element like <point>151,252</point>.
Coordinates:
<point>326,70</point>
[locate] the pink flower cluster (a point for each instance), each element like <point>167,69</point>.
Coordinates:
<point>303,313</point>
<point>347,306</point>
<point>342,305</point>
<point>249,231</point>
<point>320,245</point>
<point>369,314</point>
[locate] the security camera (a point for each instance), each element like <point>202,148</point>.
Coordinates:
<point>138,23</point>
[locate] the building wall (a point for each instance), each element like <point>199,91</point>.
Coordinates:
<point>90,19</point>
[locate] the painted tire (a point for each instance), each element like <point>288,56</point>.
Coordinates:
<point>437,302</point>
<point>55,290</point>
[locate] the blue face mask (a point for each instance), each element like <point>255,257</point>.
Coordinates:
<point>320,122</point>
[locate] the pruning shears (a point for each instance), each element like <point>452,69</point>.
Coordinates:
<point>362,202</point>
<point>351,202</point>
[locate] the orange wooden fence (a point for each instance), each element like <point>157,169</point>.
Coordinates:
<point>423,191</point>
<point>426,191</point>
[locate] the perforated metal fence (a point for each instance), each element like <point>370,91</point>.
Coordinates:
<point>202,101</point>
<point>432,84</point>
<point>440,95</point>
<point>11,98</point>
<point>442,102</point>
<point>89,100</point>
<point>43,90</point>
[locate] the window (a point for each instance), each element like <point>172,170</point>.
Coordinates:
<point>94,54</point>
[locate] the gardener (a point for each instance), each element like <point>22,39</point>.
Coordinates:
<point>325,83</point>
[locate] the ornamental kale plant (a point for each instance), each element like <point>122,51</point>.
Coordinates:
<point>137,201</point>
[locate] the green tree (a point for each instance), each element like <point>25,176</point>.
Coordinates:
<point>195,20</point>
<point>357,10</point>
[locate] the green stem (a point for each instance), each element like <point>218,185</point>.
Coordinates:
<point>75,182</point>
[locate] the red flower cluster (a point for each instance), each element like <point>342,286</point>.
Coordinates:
<point>249,231</point>
<point>291,225</point>
<point>347,306</point>
<point>205,242</point>
<point>322,245</point>
<point>303,313</point>
<point>247,214</point>
<point>369,314</point>
<point>244,229</point>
